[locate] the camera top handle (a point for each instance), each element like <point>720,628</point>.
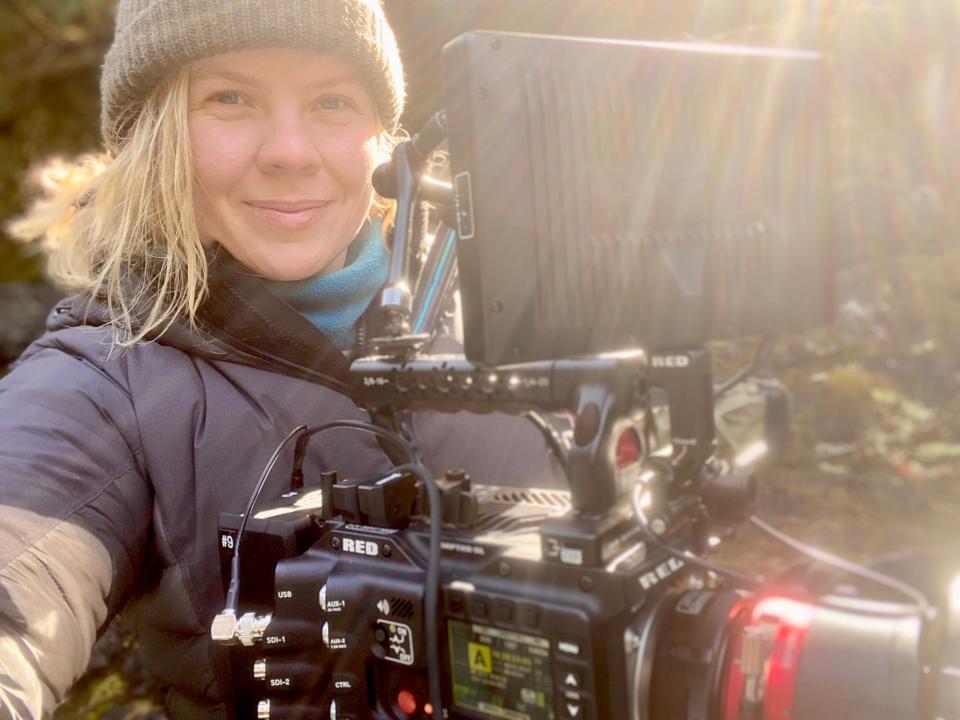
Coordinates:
<point>607,394</point>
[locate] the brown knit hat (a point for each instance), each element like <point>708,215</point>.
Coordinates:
<point>154,37</point>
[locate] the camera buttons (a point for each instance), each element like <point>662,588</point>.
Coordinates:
<point>406,702</point>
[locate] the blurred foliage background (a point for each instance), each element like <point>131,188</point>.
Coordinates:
<point>50,54</point>
<point>873,465</point>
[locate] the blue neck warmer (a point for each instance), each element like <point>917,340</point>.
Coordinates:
<point>335,302</point>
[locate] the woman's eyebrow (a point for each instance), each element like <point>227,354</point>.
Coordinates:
<point>215,73</point>
<point>342,79</point>
<point>223,74</point>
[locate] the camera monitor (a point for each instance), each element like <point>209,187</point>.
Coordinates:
<point>614,194</point>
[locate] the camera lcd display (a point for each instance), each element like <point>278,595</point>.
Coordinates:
<point>500,673</point>
<point>615,194</point>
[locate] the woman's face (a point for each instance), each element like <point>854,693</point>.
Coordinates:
<point>284,143</point>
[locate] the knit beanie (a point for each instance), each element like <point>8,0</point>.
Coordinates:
<point>155,37</point>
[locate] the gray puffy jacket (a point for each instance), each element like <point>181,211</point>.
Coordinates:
<point>114,468</point>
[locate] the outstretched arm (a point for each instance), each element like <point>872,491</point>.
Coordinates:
<point>74,515</point>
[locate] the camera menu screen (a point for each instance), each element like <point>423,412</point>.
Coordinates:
<point>500,673</point>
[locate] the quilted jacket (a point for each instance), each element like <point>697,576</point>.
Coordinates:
<point>115,467</point>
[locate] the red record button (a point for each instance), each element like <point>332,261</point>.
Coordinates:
<point>406,702</point>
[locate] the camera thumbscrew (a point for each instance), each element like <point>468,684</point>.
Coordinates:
<point>586,583</point>
<point>335,543</point>
<point>386,550</point>
<point>504,568</point>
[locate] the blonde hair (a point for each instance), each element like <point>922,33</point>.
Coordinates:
<point>123,226</point>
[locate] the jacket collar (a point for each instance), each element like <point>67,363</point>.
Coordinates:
<point>241,321</point>
<point>241,312</point>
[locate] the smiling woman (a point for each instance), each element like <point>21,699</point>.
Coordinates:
<point>284,143</point>
<point>239,143</point>
<point>225,252</point>
<point>260,141</point>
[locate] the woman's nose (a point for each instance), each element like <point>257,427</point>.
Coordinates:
<point>288,146</point>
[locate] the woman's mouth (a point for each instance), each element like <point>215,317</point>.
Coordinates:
<point>289,214</point>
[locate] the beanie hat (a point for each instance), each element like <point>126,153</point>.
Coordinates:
<point>155,37</point>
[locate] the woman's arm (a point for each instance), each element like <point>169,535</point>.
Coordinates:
<point>75,510</point>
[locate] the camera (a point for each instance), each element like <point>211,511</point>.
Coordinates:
<point>602,196</point>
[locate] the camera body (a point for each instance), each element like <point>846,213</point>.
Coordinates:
<point>550,601</point>
<point>526,634</point>
<point>337,626</point>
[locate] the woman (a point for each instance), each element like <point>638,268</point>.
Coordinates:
<point>224,249</point>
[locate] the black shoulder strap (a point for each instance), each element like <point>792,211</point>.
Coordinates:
<point>241,311</point>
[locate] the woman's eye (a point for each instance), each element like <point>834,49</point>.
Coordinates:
<point>333,102</point>
<point>227,97</point>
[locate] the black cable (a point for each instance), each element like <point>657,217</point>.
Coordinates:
<point>725,386</point>
<point>685,555</point>
<point>554,441</point>
<point>688,557</point>
<point>296,479</point>
<point>822,556</point>
<point>233,589</point>
<point>432,589</point>
<point>404,420</point>
<point>300,450</point>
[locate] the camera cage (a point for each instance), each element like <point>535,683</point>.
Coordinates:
<point>605,196</point>
<point>562,276</point>
<point>611,198</point>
